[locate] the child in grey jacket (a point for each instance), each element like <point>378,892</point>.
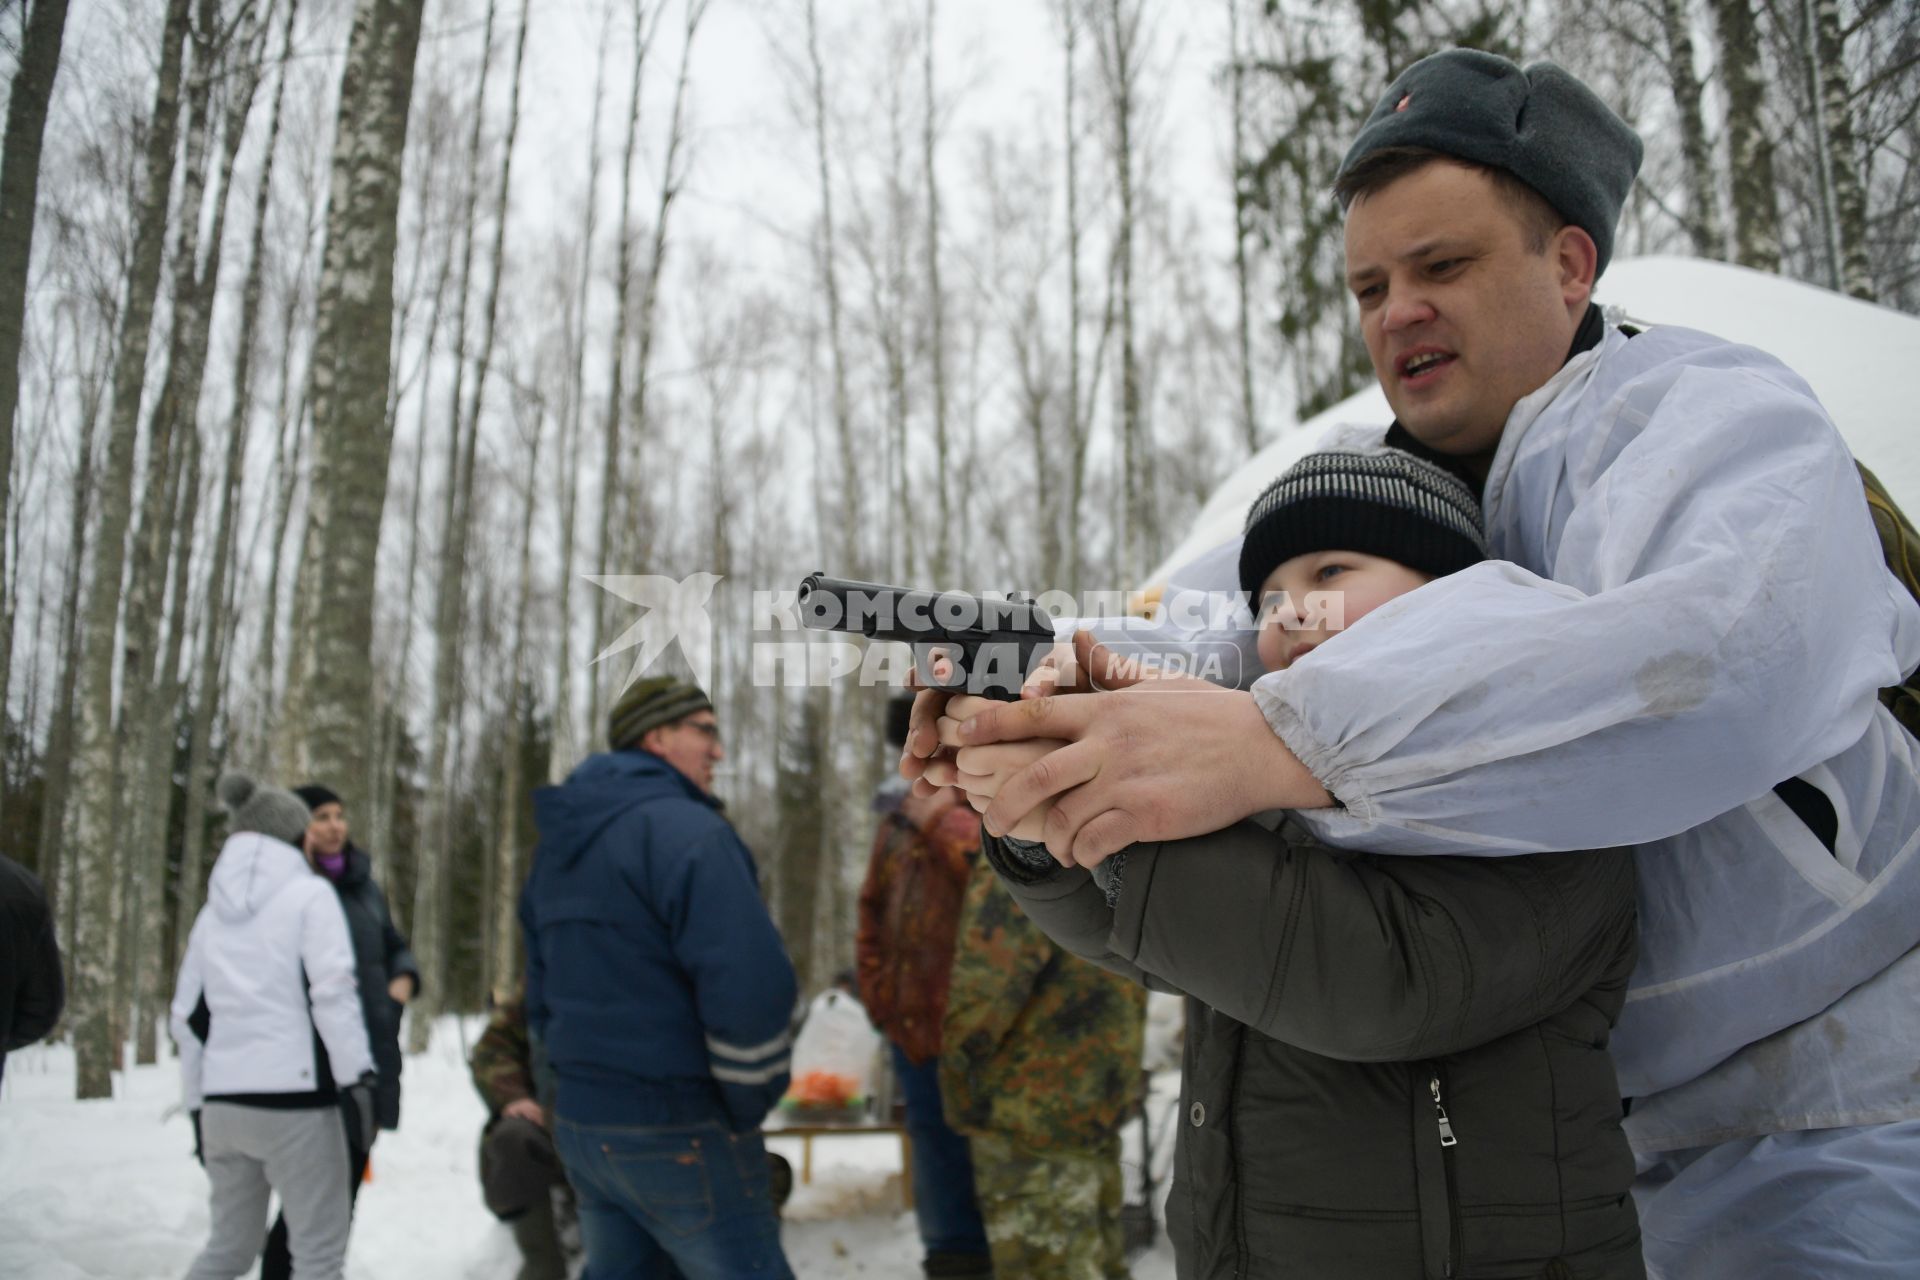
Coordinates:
<point>1396,1067</point>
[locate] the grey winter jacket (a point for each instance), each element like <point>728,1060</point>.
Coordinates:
<point>1396,1068</point>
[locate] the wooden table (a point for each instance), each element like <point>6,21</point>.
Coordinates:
<point>781,1124</point>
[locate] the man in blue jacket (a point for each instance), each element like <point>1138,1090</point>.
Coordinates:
<point>661,992</point>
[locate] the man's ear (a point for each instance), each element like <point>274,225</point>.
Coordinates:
<point>1578,261</point>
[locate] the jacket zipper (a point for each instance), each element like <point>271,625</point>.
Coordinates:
<point>1448,1141</point>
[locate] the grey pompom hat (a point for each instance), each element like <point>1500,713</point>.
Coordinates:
<point>267,810</point>
<point>1542,125</point>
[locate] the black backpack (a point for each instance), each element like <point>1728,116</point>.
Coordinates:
<point>1900,543</point>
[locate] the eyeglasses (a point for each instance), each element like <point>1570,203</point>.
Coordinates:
<point>707,727</point>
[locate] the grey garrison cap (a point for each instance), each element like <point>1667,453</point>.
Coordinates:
<point>1541,125</point>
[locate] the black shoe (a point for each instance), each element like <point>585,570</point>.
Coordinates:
<point>958,1266</point>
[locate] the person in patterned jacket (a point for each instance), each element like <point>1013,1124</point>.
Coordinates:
<point>1040,1066</point>
<point>520,1172</point>
<point>909,918</point>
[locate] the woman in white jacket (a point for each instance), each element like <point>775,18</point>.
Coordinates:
<point>273,1047</point>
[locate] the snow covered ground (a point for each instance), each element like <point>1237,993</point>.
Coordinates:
<point>109,1190</point>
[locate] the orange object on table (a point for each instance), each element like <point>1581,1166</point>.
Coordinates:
<point>823,1089</point>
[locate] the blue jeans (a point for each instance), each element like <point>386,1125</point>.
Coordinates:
<point>686,1200</point>
<point>943,1196</point>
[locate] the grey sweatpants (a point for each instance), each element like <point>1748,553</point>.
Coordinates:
<point>252,1152</point>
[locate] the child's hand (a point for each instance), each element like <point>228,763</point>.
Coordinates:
<point>982,771</point>
<point>960,708</point>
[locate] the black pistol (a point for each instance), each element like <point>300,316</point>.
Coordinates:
<point>991,643</point>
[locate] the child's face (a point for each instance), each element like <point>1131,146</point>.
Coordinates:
<point>1314,596</point>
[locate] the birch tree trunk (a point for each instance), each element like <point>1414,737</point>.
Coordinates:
<point>604,551</point>
<point>852,521</point>
<point>1120,68</point>
<point>430,925</point>
<point>150,706</point>
<point>1756,214</point>
<point>96,766</point>
<point>937,308</point>
<point>27,100</point>
<point>1243,285</point>
<point>60,733</point>
<point>350,376</point>
<point>427,919</point>
<point>153,778</point>
<point>504,950</point>
<point>1070,32</point>
<point>1703,201</point>
<point>672,178</point>
<point>566,737</point>
<point>289,442</point>
<point>1834,103</point>
<point>882,250</point>
<point>211,646</point>
<point>393,719</point>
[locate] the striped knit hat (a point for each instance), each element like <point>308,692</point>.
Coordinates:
<point>650,703</point>
<point>1380,502</point>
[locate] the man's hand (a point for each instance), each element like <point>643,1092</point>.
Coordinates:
<point>402,988</point>
<point>1157,760</point>
<point>526,1109</point>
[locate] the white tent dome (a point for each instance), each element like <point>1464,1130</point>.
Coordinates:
<point>1854,355</point>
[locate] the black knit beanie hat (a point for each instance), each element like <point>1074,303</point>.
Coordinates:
<point>316,795</point>
<point>1380,502</point>
<point>650,703</point>
<point>1542,125</point>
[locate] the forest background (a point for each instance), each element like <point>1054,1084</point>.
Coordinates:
<point>343,341</point>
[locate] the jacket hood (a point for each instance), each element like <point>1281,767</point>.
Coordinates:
<point>251,869</point>
<point>603,788</point>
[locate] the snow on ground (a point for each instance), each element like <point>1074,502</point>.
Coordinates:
<point>108,1190</point>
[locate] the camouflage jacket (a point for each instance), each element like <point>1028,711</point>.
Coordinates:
<point>502,1059</point>
<point>909,916</point>
<point>1040,1046</point>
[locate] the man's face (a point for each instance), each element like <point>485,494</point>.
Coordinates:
<point>327,830</point>
<point>1313,597</point>
<point>1461,317</point>
<point>691,745</point>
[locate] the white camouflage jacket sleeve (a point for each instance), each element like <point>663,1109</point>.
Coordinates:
<point>1718,619</point>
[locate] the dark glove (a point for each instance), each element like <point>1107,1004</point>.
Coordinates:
<point>356,1103</point>
<point>198,1153</point>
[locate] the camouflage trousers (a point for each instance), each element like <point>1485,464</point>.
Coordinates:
<point>1050,1215</point>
